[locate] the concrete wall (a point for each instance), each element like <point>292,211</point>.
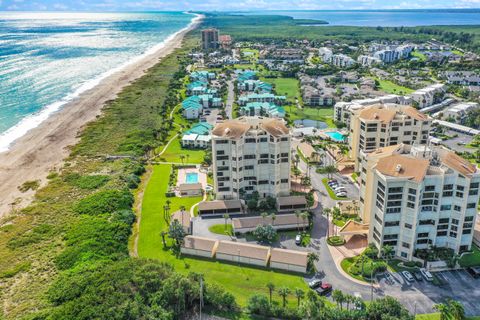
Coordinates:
<point>195,252</point>
<point>288,267</point>
<point>243,260</point>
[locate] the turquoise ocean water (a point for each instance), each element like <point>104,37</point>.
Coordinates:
<point>47,59</point>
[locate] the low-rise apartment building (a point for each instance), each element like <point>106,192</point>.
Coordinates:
<point>416,197</point>
<point>429,96</point>
<point>379,126</point>
<point>251,154</point>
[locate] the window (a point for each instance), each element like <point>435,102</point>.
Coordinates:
<point>474,185</point>
<point>459,194</point>
<point>249,156</point>
<point>423,235</point>
<point>412,191</point>
<point>470,218</point>
<point>392,223</point>
<point>403,254</point>
<point>445,207</point>
<point>411,205</point>
<point>284,181</point>
<point>250,140</point>
<point>471,205</point>
<point>441,233</point>
<point>429,188</point>
<point>284,139</point>
<point>405,245</point>
<point>448,187</point>
<point>473,192</point>
<point>444,220</point>
<point>446,194</point>
<point>408,226</point>
<point>378,219</point>
<point>467,231</point>
<point>460,188</point>
<point>457,208</point>
<point>395,190</point>
<point>390,236</point>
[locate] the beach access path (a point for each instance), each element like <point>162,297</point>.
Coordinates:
<point>43,148</point>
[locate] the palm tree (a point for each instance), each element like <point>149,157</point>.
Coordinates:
<point>271,288</point>
<point>311,259</point>
<point>264,216</point>
<point>443,309</point>
<point>338,297</point>
<point>182,158</point>
<point>304,215</point>
<point>284,292</point>
<point>299,294</point>
<point>163,234</point>
<point>188,156</point>
<point>297,214</point>
<point>327,212</point>
<point>456,309</point>
<point>226,216</point>
<point>387,252</point>
<point>273,217</point>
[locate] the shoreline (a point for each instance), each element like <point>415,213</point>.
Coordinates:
<point>43,148</point>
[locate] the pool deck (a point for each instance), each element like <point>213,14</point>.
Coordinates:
<point>182,176</point>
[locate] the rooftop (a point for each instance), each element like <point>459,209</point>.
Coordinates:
<point>219,204</point>
<point>238,127</point>
<point>243,250</point>
<point>280,220</point>
<point>199,243</point>
<point>402,166</point>
<point>298,258</point>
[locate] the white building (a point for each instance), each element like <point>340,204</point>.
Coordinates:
<point>342,61</point>
<point>430,95</point>
<point>380,126</point>
<point>343,110</point>
<point>368,61</point>
<point>459,112</point>
<point>415,197</point>
<point>325,54</point>
<point>251,154</point>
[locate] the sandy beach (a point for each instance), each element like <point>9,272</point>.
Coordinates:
<point>43,148</point>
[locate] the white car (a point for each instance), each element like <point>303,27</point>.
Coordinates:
<point>426,274</point>
<point>408,276</point>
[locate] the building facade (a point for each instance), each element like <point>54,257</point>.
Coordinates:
<point>380,126</point>
<point>210,39</point>
<point>416,197</point>
<point>251,154</point>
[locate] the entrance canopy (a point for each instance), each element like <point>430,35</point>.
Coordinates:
<point>354,228</point>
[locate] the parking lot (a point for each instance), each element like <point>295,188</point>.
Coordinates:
<point>420,296</point>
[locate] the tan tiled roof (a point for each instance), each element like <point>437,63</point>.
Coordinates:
<point>387,150</point>
<point>354,227</point>
<point>306,149</point>
<point>454,161</point>
<point>280,220</point>
<point>414,113</point>
<point>238,127</point>
<point>379,113</point>
<point>403,166</point>
<point>298,258</point>
<point>243,250</point>
<point>199,243</point>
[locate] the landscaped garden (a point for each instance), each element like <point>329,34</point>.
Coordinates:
<point>318,114</point>
<point>223,229</point>
<point>367,264</point>
<point>470,259</point>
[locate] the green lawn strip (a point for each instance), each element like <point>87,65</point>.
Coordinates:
<point>153,222</point>
<point>335,241</point>
<point>285,87</point>
<point>175,151</point>
<point>393,88</point>
<point>471,259</point>
<point>318,114</point>
<point>331,193</point>
<point>419,55</point>
<point>436,316</point>
<point>221,229</point>
<point>242,281</point>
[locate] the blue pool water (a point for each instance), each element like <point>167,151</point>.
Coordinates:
<point>335,135</point>
<point>192,177</point>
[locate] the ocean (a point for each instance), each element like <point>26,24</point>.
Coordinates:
<point>384,18</point>
<point>47,59</point>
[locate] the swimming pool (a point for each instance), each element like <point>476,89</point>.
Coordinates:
<point>335,135</point>
<point>191,177</point>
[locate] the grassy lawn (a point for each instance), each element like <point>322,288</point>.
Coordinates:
<point>175,150</point>
<point>240,280</point>
<point>390,87</point>
<point>436,316</point>
<point>221,229</point>
<point>330,191</point>
<point>154,199</point>
<point>471,259</point>
<point>319,114</point>
<point>285,86</point>
<point>420,56</point>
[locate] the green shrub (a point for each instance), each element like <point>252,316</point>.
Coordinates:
<point>107,201</point>
<point>335,241</point>
<point>86,182</point>
<point>29,185</point>
<point>36,235</point>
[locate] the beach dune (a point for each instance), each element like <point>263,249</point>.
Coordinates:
<point>43,148</point>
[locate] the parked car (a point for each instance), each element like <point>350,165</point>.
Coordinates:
<point>298,239</point>
<point>474,272</point>
<point>426,274</point>
<point>324,289</point>
<point>332,180</point>
<point>408,276</point>
<point>418,276</point>
<point>389,278</point>
<point>333,185</point>
<point>341,194</point>
<point>315,283</point>
<point>339,189</point>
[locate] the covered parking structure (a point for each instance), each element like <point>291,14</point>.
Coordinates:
<point>243,253</point>
<point>289,260</point>
<point>291,203</point>
<point>281,222</point>
<point>199,246</point>
<point>220,207</point>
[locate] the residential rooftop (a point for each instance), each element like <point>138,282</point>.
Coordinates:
<point>236,128</point>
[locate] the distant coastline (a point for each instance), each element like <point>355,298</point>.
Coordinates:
<point>43,148</point>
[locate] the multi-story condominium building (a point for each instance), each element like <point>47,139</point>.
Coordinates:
<point>459,112</point>
<point>415,197</point>
<point>429,96</point>
<point>343,110</point>
<point>367,61</point>
<point>210,39</point>
<point>380,126</point>
<point>251,154</point>
<point>325,54</point>
<point>465,78</point>
<point>342,61</point>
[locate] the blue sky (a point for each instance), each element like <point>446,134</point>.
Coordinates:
<point>134,5</point>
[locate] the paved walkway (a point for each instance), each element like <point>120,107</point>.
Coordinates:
<point>230,99</point>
